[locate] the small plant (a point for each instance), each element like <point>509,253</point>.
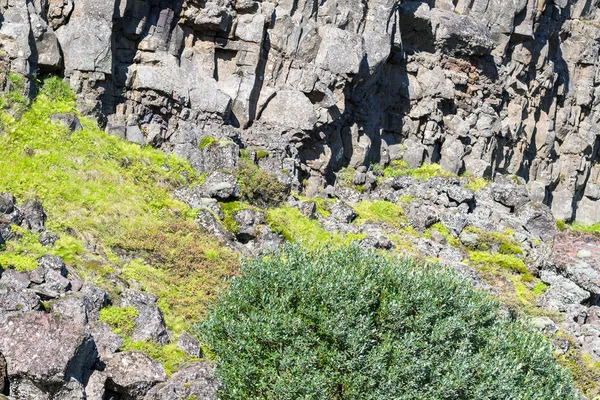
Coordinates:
<point>424,172</point>
<point>380,212</point>
<point>120,319</point>
<point>261,154</point>
<point>56,89</point>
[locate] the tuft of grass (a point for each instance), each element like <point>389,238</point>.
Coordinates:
<point>120,319</point>
<point>260,154</point>
<point>170,356</point>
<point>380,212</point>
<point>476,184</point>
<point>539,288</point>
<point>578,226</point>
<point>560,225</point>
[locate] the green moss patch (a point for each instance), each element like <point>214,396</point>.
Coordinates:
<point>120,319</point>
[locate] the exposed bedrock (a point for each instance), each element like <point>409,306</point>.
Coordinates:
<point>479,86</point>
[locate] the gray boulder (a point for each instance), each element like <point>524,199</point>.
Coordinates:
<point>16,302</point>
<point>510,191</point>
<point>69,121</point>
<point>189,344</point>
<point>562,292</point>
<point>421,216</point>
<point>132,374</point>
<point>149,324</point>
<point>247,222</point>
<point>14,279</point>
<point>342,212</point>
<point>537,219</point>
<point>48,238</point>
<point>221,186</point>
<point>107,342</point>
<point>46,349</point>
<point>192,381</point>
<point>34,216</point>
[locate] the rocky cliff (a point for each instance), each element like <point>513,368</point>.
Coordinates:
<point>475,85</point>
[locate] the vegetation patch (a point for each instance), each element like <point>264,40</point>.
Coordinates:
<point>229,211</point>
<point>257,186</point>
<point>345,324</point>
<point>120,319</point>
<point>99,191</point>
<point>170,356</point>
<point>207,141</point>
<point>380,212</point>
<point>295,227</point>
<point>426,171</point>
<point>485,260</point>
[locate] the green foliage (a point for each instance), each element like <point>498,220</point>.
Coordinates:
<point>380,212</point>
<point>424,172</point>
<point>170,355</point>
<point>19,262</point>
<point>207,141</point>
<point>120,319</point>
<point>485,260</point>
<point>560,225</point>
<point>539,288</point>
<point>117,197</point>
<point>578,226</point>
<point>345,324</point>
<point>257,186</point>
<point>56,89</point>
<point>510,248</point>
<point>229,211</point>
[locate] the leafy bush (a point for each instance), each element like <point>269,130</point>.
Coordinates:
<point>345,324</point>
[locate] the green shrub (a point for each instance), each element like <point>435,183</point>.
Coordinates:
<point>345,324</point>
<point>258,186</point>
<point>120,319</point>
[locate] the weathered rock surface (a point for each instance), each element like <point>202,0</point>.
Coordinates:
<point>477,86</point>
<point>191,381</point>
<point>132,374</point>
<point>45,350</point>
<point>149,324</point>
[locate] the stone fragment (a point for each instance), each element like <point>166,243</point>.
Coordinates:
<point>149,324</point>
<point>46,348</point>
<point>191,381</point>
<point>189,344</point>
<point>132,374</point>
<point>68,120</point>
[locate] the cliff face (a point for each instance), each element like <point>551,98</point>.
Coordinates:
<point>478,86</point>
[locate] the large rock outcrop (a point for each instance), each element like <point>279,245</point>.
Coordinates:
<point>479,86</point>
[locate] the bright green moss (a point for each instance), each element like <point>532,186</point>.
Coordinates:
<point>120,319</point>
<point>485,260</point>
<point>229,211</point>
<point>539,288</point>
<point>380,212</point>
<point>424,172</point>
<point>476,184</point>
<point>261,154</point>
<point>207,141</point>
<point>295,227</point>
<point>170,355</point>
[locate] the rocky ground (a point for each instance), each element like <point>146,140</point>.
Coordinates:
<point>57,343</point>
